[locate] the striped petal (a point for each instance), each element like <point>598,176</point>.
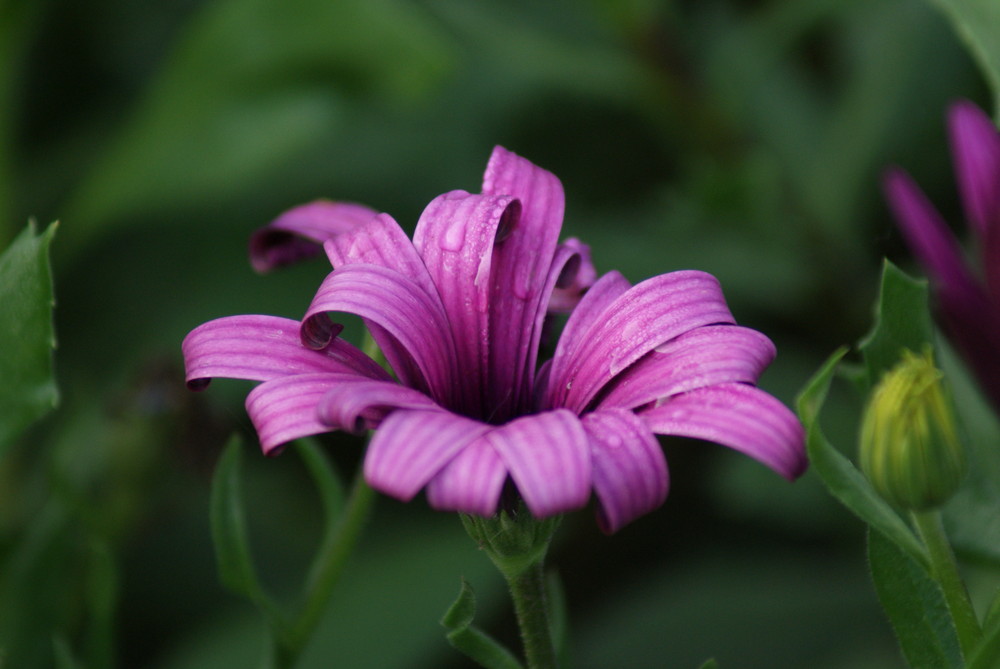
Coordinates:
<point>411,329</point>
<point>975,146</point>
<point>471,482</point>
<point>380,242</point>
<point>284,409</point>
<point>259,348</point>
<point>739,416</point>
<point>702,357</point>
<point>646,316</point>
<point>298,233</point>
<point>358,404</point>
<point>548,457</point>
<point>520,271</point>
<point>572,285</point>
<point>630,472</point>
<point>587,313</point>
<point>412,446</point>
<point>455,237</point>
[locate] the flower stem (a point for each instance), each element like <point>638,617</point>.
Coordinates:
<point>330,560</point>
<point>944,569</point>
<point>527,589</point>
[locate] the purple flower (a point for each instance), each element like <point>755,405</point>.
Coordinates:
<point>967,302</point>
<point>459,312</point>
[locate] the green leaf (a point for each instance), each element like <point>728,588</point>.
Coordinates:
<point>902,321</point>
<point>915,606</point>
<point>987,654</point>
<point>229,536</point>
<point>978,23</point>
<point>710,664</point>
<point>841,477</point>
<point>28,390</point>
<point>470,641</point>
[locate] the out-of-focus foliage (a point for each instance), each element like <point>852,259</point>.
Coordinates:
<point>741,137</point>
<point>26,337</point>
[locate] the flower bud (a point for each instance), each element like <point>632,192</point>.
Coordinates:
<point>909,447</point>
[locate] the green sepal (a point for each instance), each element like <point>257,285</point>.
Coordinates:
<point>841,477</point>
<point>470,641</point>
<point>710,664</point>
<point>27,336</point>
<point>229,536</point>
<point>915,606</point>
<point>902,322</point>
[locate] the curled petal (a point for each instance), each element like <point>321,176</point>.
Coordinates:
<point>357,404</point>
<point>258,348</point>
<point>284,409</point>
<point>575,279</point>
<point>630,472</point>
<point>565,256</point>
<point>412,446</point>
<point>739,416</point>
<point>521,265</point>
<point>976,150</point>
<point>298,233</point>
<point>412,330</point>
<point>702,357</point>
<point>455,238</point>
<point>548,457</point>
<point>471,482</point>
<point>647,315</point>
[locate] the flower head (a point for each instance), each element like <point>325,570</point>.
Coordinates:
<point>967,301</point>
<point>909,446</point>
<point>458,313</point>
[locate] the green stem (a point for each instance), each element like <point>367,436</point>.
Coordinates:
<point>330,560</point>
<point>527,589</point>
<point>944,569</point>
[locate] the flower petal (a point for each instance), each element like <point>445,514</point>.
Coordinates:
<point>702,357</point>
<point>411,328</point>
<point>380,241</point>
<point>548,457</point>
<point>356,404</point>
<point>284,409</point>
<point>298,233</point>
<point>647,315</point>
<point>572,285</point>
<point>591,307</point>
<point>412,446</point>
<point>520,269</point>
<point>471,482</point>
<point>928,236</point>
<point>258,348</point>
<point>976,150</point>
<point>455,238</point>
<point>630,472</point>
<point>739,416</point>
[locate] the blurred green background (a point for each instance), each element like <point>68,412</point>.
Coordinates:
<point>741,137</point>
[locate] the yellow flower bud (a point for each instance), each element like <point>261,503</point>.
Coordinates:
<point>909,447</point>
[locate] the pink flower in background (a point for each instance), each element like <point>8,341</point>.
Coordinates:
<point>967,300</point>
<point>458,313</point>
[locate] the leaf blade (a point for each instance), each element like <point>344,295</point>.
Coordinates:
<point>27,336</point>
